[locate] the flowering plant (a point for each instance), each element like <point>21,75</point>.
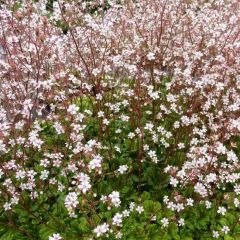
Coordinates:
<point>119,119</point>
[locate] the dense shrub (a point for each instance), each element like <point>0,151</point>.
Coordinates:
<point>119,119</point>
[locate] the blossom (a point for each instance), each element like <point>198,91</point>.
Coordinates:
<point>71,201</point>
<point>7,206</point>
<point>216,234</point>
<point>201,189</point>
<point>84,182</point>
<point>139,209</point>
<point>165,222</point>
<point>117,219</point>
<point>115,198</point>
<point>101,229</point>
<point>73,109</point>
<point>208,204</point>
<point>95,162</point>
<point>225,229</point>
<point>44,174</point>
<point>181,222</point>
<point>221,210</point>
<point>150,56</point>
<point>55,236</point>
<point>190,202</point>
<point>122,169</point>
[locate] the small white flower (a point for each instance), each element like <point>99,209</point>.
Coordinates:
<point>126,213</point>
<point>100,114</point>
<point>7,206</point>
<point>139,209</point>
<point>181,222</point>
<point>115,198</point>
<point>55,236</point>
<point>216,234</point>
<point>96,162</point>
<point>208,204</point>
<point>222,210</point>
<point>181,145</point>
<point>173,182</point>
<point>154,218</point>
<point>190,202</point>
<point>132,206</point>
<point>101,229</point>
<point>96,71</point>
<point>71,201</point>
<point>225,229</point>
<point>201,189</point>
<point>131,135</point>
<point>44,174</point>
<point>84,184</point>
<point>122,169</point>
<point>1,173</point>
<point>105,121</point>
<point>236,202</point>
<point>119,235</point>
<point>73,109</point>
<point>165,222</point>
<point>150,56</point>
<point>117,219</point>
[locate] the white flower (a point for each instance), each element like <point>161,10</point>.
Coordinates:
<point>115,198</point>
<point>181,145</point>
<point>71,201</point>
<point>7,206</point>
<point>221,210</point>
<point>122,169</point>
<point>1,173</point>
<point>96,71</point>
<point>179,207</point>
<point>73,109</point>
<point>216,234</point>
<point>84,184</point>
<point>225,229</point>
<point>139,209</point>
<point>59,129</point>
<point>173,182</point>
<point>150,56</point>
<point>190,202</point>
<point>55,236</point>
<point>181,222</point>
<point>119,235</point>
<point>100,114</point>
<point>101,229</point>
<point>105,121</point>
<point>99,96</point>
<point>132,206</point>
<point>154,218</point>
<point>34,139</point>
<point>211,178</point>
<point>44,174</point>
<point>3,147</point>
<point>237,189</point>
<point>208,204</point>
<point>95,162</point>
<point>201,189</point>
<point>117,219</point>
<point>131,135</point>
<point>165,222</point>
<point>236,202</point>
<point>126,213</point>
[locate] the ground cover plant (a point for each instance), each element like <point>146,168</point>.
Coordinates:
<point>119,119</point>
